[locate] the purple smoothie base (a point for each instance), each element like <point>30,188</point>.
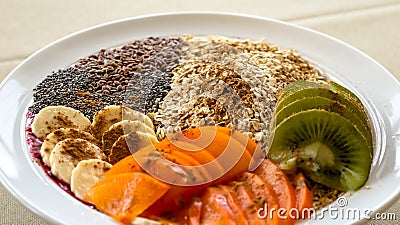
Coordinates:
<point>35,144</point>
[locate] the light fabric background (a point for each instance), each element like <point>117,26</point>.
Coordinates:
<point>25,26</point>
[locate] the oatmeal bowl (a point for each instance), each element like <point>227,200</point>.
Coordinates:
<point>179,119</point>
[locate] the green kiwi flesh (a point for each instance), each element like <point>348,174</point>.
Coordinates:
<point>323,92</point>
<point>351,97</point>
<point>325,146</point>
<point>327,104</point>
<point>337,88</point>
<point>296,86</point>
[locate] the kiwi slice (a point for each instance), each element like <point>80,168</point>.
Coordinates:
<point>327,104</point>
<point>296,86</point>
<point>298,89</point>
<point>325,146</point>
<point>351,97</point>
<point>322,92</point>
<point>345,92</point>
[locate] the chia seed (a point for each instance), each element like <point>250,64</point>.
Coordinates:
<point>69,87</point>
<point>136,74</point>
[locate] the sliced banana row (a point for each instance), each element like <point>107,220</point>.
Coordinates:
<point>78,157</point>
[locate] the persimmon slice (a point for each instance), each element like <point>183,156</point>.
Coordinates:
<point>304,196</point>
<point>124,196</point>
<point>257,154</point>
<point>194,211</point>
<point>234,204</point>
<point>246,200</point>
<point>281,185</point>
<point>208,162</point>
<point>264,196</point>
<point>229,152</point>
<point>215,208</point>
<point>181,158</point>
<point>126,165</point>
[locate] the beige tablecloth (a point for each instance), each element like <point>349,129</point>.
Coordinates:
<point>25,26</point>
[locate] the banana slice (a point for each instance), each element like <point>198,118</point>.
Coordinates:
<point>68,153</point>
<point>51,118</point>
<point>109,115</point>
<point>61,134</point>
<point>86,174</point>
<point>128,144</point>
<point>124,127</point>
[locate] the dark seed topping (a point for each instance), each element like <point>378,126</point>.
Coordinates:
<point>136,74</point>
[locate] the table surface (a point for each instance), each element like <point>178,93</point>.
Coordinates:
<point>26,26</point>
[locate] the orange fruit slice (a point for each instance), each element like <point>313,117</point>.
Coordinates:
<point>281,185</point>
<point>124,196</point>
<point>304,196</point>
<point>215,208</point>
<point>264,193</point>
<point>126,165</point>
